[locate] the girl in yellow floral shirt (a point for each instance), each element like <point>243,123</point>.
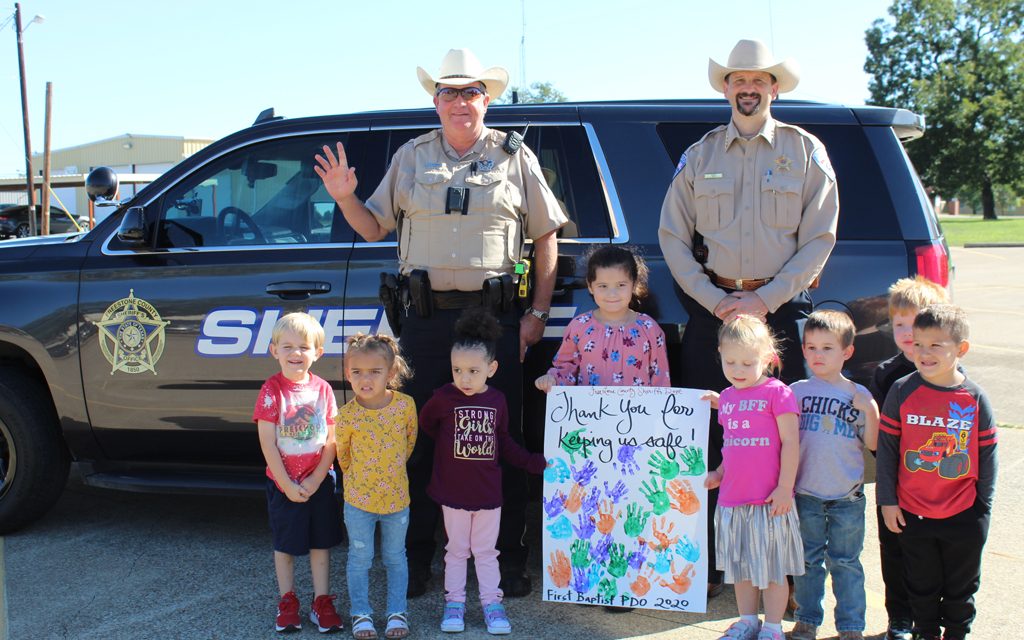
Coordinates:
<point>375,433</point>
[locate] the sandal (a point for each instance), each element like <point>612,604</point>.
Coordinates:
<point>398,626</point>
<point>363,629</point>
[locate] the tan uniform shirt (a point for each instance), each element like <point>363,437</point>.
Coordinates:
<point>767,208</point>
<point>508,199</point>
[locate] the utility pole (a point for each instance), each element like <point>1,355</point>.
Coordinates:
<point>24,116</point>
<point>45,219</point>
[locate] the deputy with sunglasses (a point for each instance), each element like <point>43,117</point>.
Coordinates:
<point>462,199</point>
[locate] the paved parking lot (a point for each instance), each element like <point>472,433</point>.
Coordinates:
<point>112,565</point>
<point>990,286</point>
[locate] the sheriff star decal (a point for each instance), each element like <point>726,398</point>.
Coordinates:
<point>131,335</point>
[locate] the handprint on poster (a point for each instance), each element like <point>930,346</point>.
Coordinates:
<point>625,514</point>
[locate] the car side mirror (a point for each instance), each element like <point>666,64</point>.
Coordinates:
<point>132,231</point>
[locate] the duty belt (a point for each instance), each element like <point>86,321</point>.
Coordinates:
<point>750,284</point>
<point>741,284</point>
<point>457,299</point>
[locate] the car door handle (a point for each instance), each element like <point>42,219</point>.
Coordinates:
<point>298,290</point>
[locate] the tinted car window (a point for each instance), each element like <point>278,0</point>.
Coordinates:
<point>866,211</point>
<point>568,164</point>
<point>265,194</point>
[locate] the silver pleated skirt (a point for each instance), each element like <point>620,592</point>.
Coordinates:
<point>751,544</point>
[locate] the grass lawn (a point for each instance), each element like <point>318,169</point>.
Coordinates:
<point>970,229</point>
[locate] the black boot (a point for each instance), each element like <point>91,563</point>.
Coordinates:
<point>419,576</point>
<point>515,583</point>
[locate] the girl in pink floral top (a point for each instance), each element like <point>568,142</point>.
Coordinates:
<point>612,345</point>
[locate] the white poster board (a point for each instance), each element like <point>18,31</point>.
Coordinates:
<point>625,516</point>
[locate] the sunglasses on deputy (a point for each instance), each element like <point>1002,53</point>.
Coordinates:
<point>468,94</point>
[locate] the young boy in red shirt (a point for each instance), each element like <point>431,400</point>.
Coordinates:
<point>907,296</point>
<point>936,475</point>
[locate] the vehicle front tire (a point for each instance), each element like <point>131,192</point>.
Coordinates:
<point>34,461</point>
<point>912,460</point>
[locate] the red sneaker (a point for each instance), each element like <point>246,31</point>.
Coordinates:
<point>324,615</point>
<point>288,613</point>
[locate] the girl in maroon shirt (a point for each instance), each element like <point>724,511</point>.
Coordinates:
<point>468,421</point>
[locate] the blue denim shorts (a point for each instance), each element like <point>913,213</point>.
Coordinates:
<point>298,527</point>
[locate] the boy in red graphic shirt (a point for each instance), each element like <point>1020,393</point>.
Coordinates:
<point>936,475</point>
<point>291,415</point>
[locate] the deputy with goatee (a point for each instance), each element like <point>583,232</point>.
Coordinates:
<point>746,227</point>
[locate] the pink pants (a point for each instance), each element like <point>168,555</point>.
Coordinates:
<point>476,533</point>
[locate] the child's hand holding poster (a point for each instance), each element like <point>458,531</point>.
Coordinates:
<point>625,522</point>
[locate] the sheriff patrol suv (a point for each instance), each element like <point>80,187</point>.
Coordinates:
<point>137,349</point>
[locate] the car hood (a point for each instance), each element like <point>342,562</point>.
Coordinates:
<point>35,241</point>
<point>15,248</point>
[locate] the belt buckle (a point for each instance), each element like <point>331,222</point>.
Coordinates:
<point>739,284</point>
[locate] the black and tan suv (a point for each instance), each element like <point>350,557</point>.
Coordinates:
<point>137,349</point>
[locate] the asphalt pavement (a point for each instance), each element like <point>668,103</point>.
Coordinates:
<point>111,565</point>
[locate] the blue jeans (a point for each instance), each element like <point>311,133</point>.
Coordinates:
<point>361,526</point>
<point>833,535</point>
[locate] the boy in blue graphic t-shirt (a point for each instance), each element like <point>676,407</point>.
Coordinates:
<point>838,418</point>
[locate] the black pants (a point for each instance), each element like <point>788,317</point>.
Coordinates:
<point>897,601</point>
<point>427,345</point>
<point>702,370</point>
<point>942,567</point>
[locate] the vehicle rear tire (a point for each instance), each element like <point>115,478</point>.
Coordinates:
<point>34,461</point>
<point>954,466</point>
<point>21,231</point>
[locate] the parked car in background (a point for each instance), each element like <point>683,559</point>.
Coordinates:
<point>14,221</point>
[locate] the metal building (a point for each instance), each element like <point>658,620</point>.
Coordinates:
<point>126,154</point>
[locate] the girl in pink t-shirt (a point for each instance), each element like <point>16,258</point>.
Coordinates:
<point>757,539</point>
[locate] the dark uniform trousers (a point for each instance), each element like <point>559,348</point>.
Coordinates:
<point>702,369</point>
<point>427,345</point>
<point>942,568</point>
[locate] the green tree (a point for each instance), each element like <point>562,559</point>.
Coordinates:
<point>537,92</point>
<point>960,63</point>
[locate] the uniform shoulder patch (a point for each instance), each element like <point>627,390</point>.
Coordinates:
<point>820,158</point>
<point>680,165</point>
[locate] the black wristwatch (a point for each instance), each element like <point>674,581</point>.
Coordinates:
<point>540,315</point>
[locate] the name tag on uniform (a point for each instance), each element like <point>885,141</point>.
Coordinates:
<point>712,176</point>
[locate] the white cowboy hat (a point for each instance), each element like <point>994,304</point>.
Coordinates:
<point>753,55</point>
<point>460,67</point>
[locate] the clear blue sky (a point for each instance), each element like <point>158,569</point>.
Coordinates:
<point>205,69</point>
